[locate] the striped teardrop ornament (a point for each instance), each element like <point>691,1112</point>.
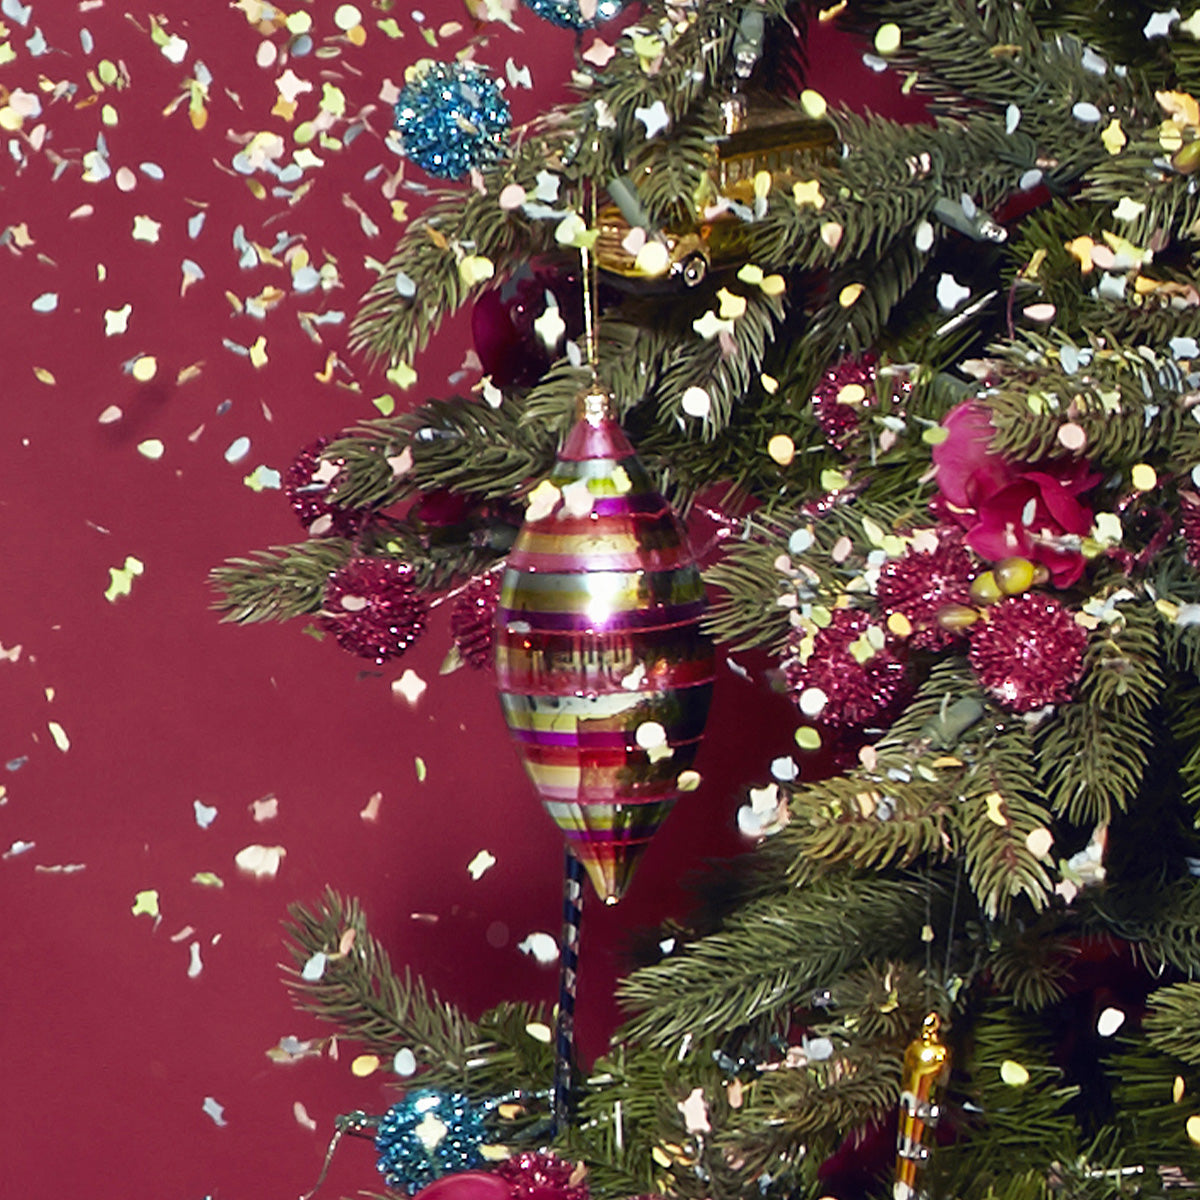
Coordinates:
<point>604,674</point>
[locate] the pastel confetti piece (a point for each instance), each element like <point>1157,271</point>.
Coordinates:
<point>1109,1021</point>
<point>1178,1088</point>
<point>364,1065</point>
<point>258,352</point>
<point>731,305</point>
<point>812,701</point>
<point>404,1062</point>
<point>1039,842</point>
<point>483,862</point>
<point>402,375</point>
<point>410,686</point>
<point>260,861</point>
<point>420,769</point>
<point>146,903</point>
<point>654,118</point>
<point>599,53</point>
<point>814,104</point>
<point>695,1111</point>
<point>995,808</point>
<point>266,809</point>
<point>116,320</point>
<point>542,501</point>
<point>263,478</point>
<point>145,229</point>
<point>370,811</point>
<point>121,578</point>
<point>652,258</point>
<point>1144,477</point>
<point>887,38</point>
<point>195,965</point>
<point>302,1117</point>
<point>950,293</point>
<point>214,1110</point>
<point>696,402</point>
<point>59,734</point>
<point>541,947</point>
<point>1072,437</point>
<point>144,368</point>
<point>208,879</point>
<point>688,781</point>
<point>151,448</point>
<point>849,294</point>
<point>807,194</point>
<point>47,302</point>
<point>237,450</point>
<point>1013,1074</point>
<point>314,968</point>
<point>1193,1129</point>
<point>781,449</point>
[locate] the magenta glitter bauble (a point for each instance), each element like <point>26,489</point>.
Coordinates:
<point>373,608</point>
<point>308,483</point>
<point>604,674</point>
<point>466,1185</point>
<point>473,619</point>
<point>855,693</point>
<point>533,1175</point>
<point>1189,518</point>
<point>838,401</point>
<point>1029,652</point>
<point>921,583</point>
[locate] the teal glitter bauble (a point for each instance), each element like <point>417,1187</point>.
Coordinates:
<point>429,1134</point>
<point>452,117</point>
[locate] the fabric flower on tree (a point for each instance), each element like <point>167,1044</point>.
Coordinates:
<point>1028,510</point>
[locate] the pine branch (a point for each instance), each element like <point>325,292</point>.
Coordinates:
<point>1092,754</point>
<point>358,991</point>
<point>280,583</point>
<point>771,954</point>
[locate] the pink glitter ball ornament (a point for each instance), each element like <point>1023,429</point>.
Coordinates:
<point>1029,652</point>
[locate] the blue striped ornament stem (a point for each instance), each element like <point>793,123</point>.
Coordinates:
<point>568,977</point>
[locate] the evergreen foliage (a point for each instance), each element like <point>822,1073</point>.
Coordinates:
<point>1031,250</point>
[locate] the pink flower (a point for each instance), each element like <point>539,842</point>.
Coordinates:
<point>1012,509</point>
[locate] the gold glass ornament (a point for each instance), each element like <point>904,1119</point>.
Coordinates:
<point>926,1065</point>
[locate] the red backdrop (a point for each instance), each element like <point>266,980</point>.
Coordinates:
<point>133,363</point>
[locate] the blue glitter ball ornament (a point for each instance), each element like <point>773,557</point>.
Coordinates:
<point>429,1134</point>
<point>568,14</point>
<point>452,117</point>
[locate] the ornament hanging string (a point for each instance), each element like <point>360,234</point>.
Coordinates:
<point>573,871</point>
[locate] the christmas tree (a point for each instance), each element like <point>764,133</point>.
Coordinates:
<point>937,384</point>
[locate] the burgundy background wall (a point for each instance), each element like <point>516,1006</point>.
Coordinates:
<point>118,715</point>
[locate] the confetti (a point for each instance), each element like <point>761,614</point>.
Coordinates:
<point>260,861</point>
<point>144,368</point>
<point>146,229</point>
<point>410,686</point>
<point>364,1065</point>
<point>541,947</point>
<point>481,864</point>
<point>146,903</point>
<point>59,734</point>
<point>214,1110</point>
<point>121,578</point>
<point>1109,1021</point>
<point>1013,1074</point>
<point>195,965</point>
